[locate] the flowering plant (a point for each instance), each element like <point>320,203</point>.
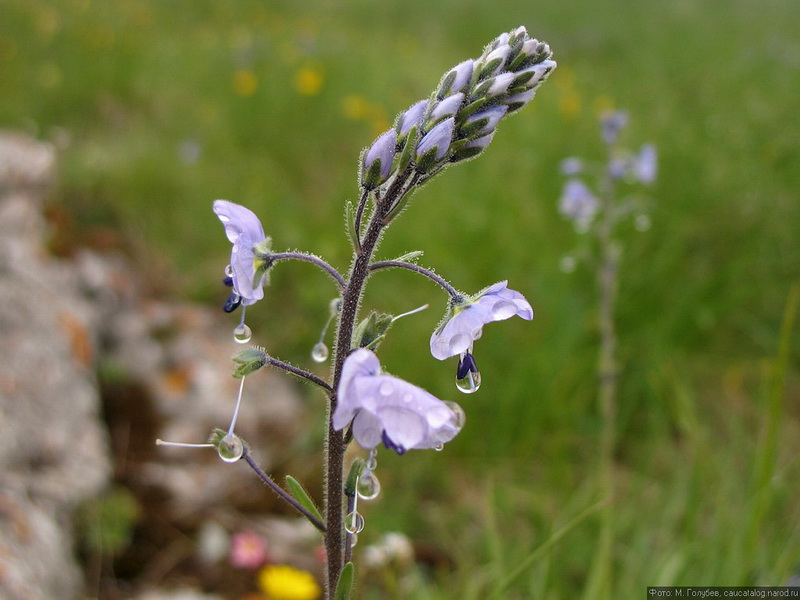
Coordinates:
<point>455,123</point>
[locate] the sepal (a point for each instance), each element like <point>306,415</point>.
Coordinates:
<point>249,361</point>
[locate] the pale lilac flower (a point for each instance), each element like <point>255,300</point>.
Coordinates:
<point>578,203</point>
<point>382,150</point>
<point>388,410</point>
<point>646,164</point>
<point>439,138</point>
<point>245,232</point>
<point>411,117</point>
<point>495,303</point>
<point>248,550</point>
<point>518,100</point>
<point>499,54</point>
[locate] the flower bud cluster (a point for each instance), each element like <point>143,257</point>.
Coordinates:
<point>460,118</point>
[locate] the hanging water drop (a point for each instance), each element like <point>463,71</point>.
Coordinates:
<point>353,540</point>
<point>354,522</point>
<point>439,447</point>
<point>229,271</point>
<point>319,352</point>
<point>368,487</point>
<point>468,378</point>
<point>242,334</point>
<point>470,383</point>
<point>230,448</point>
<point>372,460</point>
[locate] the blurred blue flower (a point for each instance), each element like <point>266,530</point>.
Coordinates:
<point>388,410</point>
<point>245,232</point>
<point>612,124</point>
<point>459,330</point>
<point>578,203</point>
<point>646,164</point>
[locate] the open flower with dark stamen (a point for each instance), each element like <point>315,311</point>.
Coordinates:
<point>245,232</point>
<point>464,325</point>
<point>388,410</point>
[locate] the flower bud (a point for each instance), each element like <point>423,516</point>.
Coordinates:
<point>411,117</point>
<point>458,77</point>
<point>249,361</point>
<point>472,148</point>
<point>516,101</point>
<point>446,108</point>
<point>378,160</point>
<point>496,60</point>
<point>485,121</point>
<point>434,145</point>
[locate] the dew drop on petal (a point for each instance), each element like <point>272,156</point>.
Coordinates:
<point>459,343</point>
<point>368,487</point>
<point>242,334</point>
<point>320,352</point>
<point>354,522</point>
<point>230,448</point>
<point>458,412</point>
<point>386,389</point>
<point>470,383</point>
<point>503,309</point>
<point>229,271</point>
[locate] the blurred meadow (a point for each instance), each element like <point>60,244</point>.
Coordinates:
<point>160,107</point>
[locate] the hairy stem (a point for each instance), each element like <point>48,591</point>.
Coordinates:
<point>310,258</point>
<point>383,264</point>
<point>283,494</point>
<point>336,445</point>
<point>297,372</point>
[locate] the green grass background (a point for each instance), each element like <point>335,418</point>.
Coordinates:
<point>706,465</point>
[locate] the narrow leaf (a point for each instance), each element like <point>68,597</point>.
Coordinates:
<point>300,494</point>
<point>344,588</point>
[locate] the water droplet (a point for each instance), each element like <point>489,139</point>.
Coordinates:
<point>320,352</point>
<point>354,522</point>
<point>242,334</point>
<point>353,541</point>
<point>372,460</point>
<point>458,412</point>
<point>439,447</point>
<point>230,448</point>
<point>368,486</point>
<point>229,271</point>
<point>568,264</point>
<point>386,389</point>
<point>503,309</point>
<point>470,383</point>
<point>335,306</point>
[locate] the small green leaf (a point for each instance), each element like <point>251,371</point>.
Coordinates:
<point>409,256</point>
<point>344,588</point>
<point>352,477</point>
<point>300,494</point>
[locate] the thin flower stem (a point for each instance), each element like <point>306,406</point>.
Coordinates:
<point>357,223</point>
<point>298,372</point>
<point>383,264</point>
<point>283,494</point>
<point>315,260</point>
